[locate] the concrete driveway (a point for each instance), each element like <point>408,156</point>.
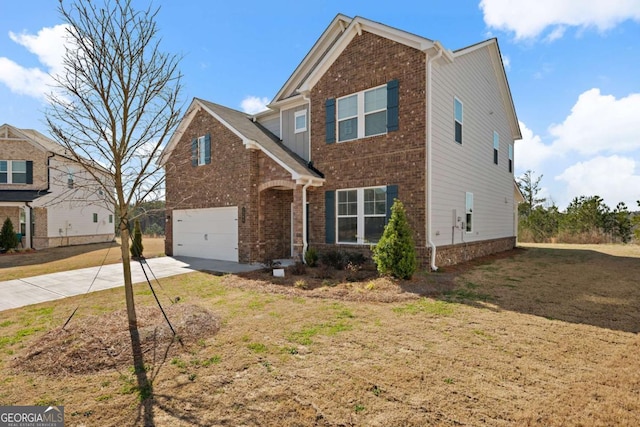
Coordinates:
<point>48,287</point>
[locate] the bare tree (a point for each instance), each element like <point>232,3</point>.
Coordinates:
<point>115,106</point>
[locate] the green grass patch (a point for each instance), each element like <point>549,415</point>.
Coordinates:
<point>257,347</point>
<point>6,323</point>
<point>304,336</point>
<point>18,336</point>
<point>426,306</point>
<point>214,360</point>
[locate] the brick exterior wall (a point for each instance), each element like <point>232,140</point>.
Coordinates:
<point>236,177</point>
<point>397,158</point>
<point>23,150</point>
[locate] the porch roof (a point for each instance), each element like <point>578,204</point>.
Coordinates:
<point>21,195</point>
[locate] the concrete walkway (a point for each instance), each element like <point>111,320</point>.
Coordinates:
<point>48,287</point>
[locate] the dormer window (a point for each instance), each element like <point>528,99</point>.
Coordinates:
<point>300,121</point>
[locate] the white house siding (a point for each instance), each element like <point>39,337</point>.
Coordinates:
<point>271,123</point>
<point>296,142</point>
<point>70,210</point>
<point>458,169</point>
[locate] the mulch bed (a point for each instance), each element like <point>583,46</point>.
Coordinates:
<point>97,343</point>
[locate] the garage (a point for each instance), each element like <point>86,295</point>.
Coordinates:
<point>206,233</point>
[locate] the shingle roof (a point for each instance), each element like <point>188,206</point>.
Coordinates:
<point>21,195</point>
<point>253,131</point>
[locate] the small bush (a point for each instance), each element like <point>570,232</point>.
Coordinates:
<point>298,269</point>
<point>333,258</point>
<point>311,257</point>
<point>395,253</point>
<point>8,238</point>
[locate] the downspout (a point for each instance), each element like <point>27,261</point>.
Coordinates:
<point>304,219</point>
<point>428,161</point>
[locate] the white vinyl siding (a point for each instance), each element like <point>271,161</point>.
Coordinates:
<point>294,138</point>
<point>458,169</point>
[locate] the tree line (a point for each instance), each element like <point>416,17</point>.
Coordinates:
<point>587,219</point>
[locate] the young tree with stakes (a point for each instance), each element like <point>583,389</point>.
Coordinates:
<point>115,105</point>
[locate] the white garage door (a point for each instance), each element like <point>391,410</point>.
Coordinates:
<point>206,233</point>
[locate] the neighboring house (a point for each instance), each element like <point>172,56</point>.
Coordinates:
<point>51,200</point>
<point>371,114</point>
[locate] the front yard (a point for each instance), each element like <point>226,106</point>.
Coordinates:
<point>545,336</point>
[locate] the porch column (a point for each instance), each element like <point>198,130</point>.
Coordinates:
<point>298,221</point>
<point>27,226</point>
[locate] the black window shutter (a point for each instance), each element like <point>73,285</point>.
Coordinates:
<point>392,105</point>
<point>207,149</point>
<point>194,152</point>
<point>29,172</point>
<point>330,216</point>
<point>330,121</point>
<point>392,194</point>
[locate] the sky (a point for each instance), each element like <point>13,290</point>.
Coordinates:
<point>573,67</point>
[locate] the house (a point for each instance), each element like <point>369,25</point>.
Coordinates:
<point>51,200</point>
<point>372,113</point>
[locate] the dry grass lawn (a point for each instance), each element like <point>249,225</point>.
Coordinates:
<point>28,264</point>
<point>547,336</point>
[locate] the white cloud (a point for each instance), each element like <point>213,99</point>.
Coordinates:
<point>529,18</point>
<point>49,47</point>
<point>600,123</point>
<point>613,178</point>
<point>254,104</point>
<point>530,151</point>
<point>506,61</point>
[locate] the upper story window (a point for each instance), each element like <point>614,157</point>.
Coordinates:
<point>457,113</point>
<point>70,179</point>
<point>510,158</point>
<point>15,172</point>
<point>362,114</point>
<point>201,150</point>
<point>496,146</point>
<point>300,121</point>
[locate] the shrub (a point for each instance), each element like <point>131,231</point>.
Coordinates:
<point>311,257</point>
<point>395,253</point>
<point>8,238</point>
<point>333,258</point>
<point>298,269</point>
<point>136,244</point>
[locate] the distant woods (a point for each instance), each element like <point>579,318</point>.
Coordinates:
<point>587,219</point>
<point>151,216</point>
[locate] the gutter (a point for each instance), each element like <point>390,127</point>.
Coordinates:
<point>429,143</point>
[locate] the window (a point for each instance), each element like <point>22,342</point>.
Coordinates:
<point>362,114</point>
<point>457,112</point>
<point>110,219</point>
<point>496,146</point>
<point>201,150</point>
<point>510,158</point>
<point>23,222</point>
<point>300,121</point>
<point>15,172</point>
<point>70,179</point>
<point>469,211</point>
<point>95,217</point>
<point>362,214</point>
<point>4,172</point>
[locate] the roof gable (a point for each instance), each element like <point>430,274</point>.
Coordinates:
<point>501,77</point>
<point>252,134</point>
<point>33,137</point>
<point>325,52</point>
